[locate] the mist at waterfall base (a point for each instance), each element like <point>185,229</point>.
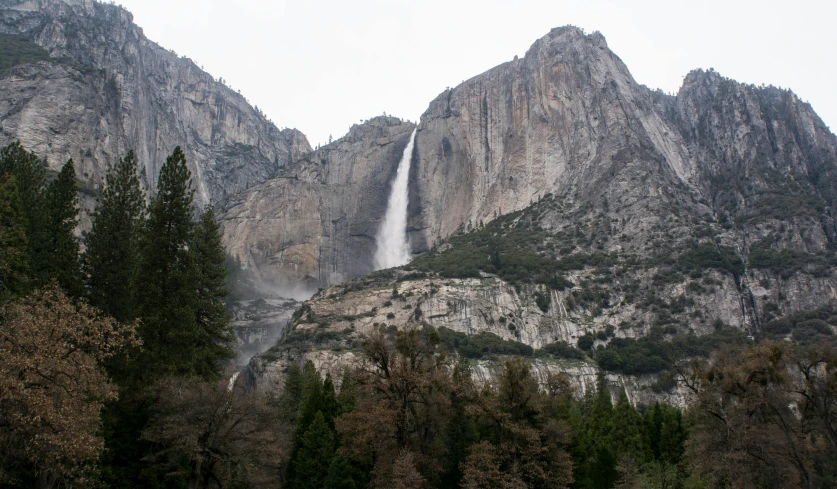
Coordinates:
<point>393,246</point>
<point>261,311</point>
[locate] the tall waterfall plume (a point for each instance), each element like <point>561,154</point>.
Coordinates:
<point>393,247</point>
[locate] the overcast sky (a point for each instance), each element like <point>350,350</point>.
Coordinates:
<point>323,66</point>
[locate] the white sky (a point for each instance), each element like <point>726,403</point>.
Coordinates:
<point>321,66</point>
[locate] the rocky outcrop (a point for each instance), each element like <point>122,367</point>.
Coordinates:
<point>330,328</point>
<point>315,224</point>
<point>108,89</point>
<point>259,323</point>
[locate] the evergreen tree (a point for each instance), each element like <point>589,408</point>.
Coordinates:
<point>628,435</point>
<point>666,432</point>
<point>55,251</point>
<point>209,282</point>
<point>14,247</point>
<point>291,397</point>
<point>312,389</point>
<point>593,451</point>
<point>314,457</point>
<point>342,475</point>
<point>169,331</point>
<point>462,431</point>
<point>348,392</point>
<point>112,255</point>
<point>329,405</point>
<point>672,436</point>
<point>30,177</point>
<point>306,392</point>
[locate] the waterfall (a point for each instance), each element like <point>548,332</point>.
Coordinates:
<point>393,248</point>
<point>231,385</point>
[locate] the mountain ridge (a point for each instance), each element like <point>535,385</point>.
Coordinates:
<point>557,122</point>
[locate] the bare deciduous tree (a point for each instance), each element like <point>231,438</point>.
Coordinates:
<point>53,385</point>
<point>403,406</point>
<point>226,433</point>
<point>747,432</point>
<point>529,450</point>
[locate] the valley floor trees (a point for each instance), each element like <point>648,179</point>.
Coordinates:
<point>761,415</point>
<point>410,418</point>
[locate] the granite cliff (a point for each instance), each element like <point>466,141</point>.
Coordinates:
<point>105,89</point>
<point>315,224</point>
<point>568,119</point>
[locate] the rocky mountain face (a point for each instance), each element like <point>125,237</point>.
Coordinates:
<point>107,89</point>
<point>329,330</point>
<point>315,223</point>
<point>569,119</point>
<point>554,200</point>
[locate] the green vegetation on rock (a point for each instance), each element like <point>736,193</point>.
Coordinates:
<point>481,345</point>
<point>17,50</point>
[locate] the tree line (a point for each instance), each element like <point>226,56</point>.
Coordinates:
<point>409,417</point>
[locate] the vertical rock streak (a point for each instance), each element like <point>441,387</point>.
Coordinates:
<point>393,248</point>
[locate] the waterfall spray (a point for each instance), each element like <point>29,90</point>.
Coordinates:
<point>393,247</point>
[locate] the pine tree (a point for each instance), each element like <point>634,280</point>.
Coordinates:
<point>315,398</point>
<point>209,282</point>
<point>348,392</point>
<point>329,405</point>
<point>628,435</point>
<point>55,251</point>
<point>314,457</point>
<point>168,330</point>
<point>30,176</point>
<point>312,389</point>
<point>462,431</point>
<point>111,259</point>
<point>291,398</point>
<point>666,432</point>
<point>595,459</point>
<point>14,247</point>
<point>306,394</point>
<point>341,475</point>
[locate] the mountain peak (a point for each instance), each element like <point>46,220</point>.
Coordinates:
<point>568,35</point>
